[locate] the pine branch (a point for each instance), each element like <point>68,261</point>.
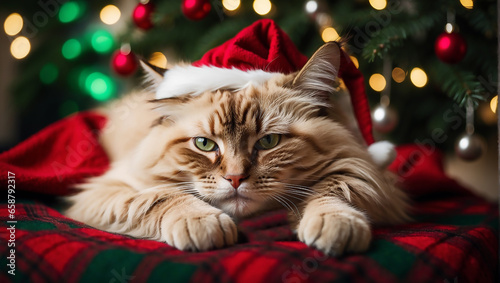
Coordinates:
<point>482,22</point>
<point>458,84</point>
<point>394,34</point>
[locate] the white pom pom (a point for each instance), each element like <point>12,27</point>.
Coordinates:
<point>383,153</point>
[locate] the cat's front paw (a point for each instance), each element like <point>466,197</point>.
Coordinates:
<point>335,232</point>
<point>198,231</point>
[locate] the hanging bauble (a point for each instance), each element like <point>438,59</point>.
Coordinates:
<point>124,62</point>
<point>384,119</point>
<point>470,147</point>
<point>143,15</point>
<point>450,47</point>
<point>195,9</point>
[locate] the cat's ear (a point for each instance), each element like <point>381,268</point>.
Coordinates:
<point>154,74</point>
<point>318,77</point>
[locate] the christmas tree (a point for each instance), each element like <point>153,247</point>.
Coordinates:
<point>428,64</point>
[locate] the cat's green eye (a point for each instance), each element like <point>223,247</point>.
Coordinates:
<point>205,144</point>
<point>268,141</point>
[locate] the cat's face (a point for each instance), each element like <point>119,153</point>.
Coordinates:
<point>244,150</point>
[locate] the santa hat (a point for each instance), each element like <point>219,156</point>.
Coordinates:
<point>252,57</point>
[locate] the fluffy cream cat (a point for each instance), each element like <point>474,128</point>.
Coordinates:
<point>185,172</point>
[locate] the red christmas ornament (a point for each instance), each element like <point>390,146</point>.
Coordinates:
<point>142,15</point>
<point>195,9</point>
<point>450,47</point>
<point>124,63</point>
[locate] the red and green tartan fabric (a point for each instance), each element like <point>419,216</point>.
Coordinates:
<point>453,240</point>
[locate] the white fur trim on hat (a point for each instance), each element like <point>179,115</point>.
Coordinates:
<point>193,80</point>
<point>383,153</point>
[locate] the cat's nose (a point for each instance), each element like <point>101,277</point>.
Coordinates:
<point>236,180</point>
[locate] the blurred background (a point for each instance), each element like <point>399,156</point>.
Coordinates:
<point>430,66</point>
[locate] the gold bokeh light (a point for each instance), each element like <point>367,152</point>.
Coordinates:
<point>20,47</point>
<point>329,34</point>
<point>378,4</point>
<point>355,61</point>
<point>494,103</point>
<point>13,24</point>
<point>158,59</point>
<point>398,75</point>
<point>110,14</point>
<point>377,82</point>
<point>231,5</point>
<point>418,77</point>
<point>262,7</point>
<point>469,4</point>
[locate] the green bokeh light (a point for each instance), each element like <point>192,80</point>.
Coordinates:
<point>100,86</point>
<point>49,73</point>
<point>69,12</point>
<point>71,49</point>
<point>102,41</point>
<point>67,108</point>
<point>82,75</point>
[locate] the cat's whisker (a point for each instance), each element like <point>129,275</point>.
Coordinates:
<point>298,189</point>
<point>300,197</point>
<point>166,185</point>
<point>299,192</point>
<point>173,188</point>
<point>297,186</point>
<point>310,178</point>
<point>208,198</point>
<point>280,202</point>
<point>188,189</point>
<point>289,204</point>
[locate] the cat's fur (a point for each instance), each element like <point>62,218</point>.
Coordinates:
<point>161,186</point>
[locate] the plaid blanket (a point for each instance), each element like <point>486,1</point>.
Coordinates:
<point>453,238</point>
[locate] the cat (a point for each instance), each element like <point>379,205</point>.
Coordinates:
<point>185,172</point>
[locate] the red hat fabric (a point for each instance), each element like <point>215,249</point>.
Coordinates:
<point>264,46</point>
